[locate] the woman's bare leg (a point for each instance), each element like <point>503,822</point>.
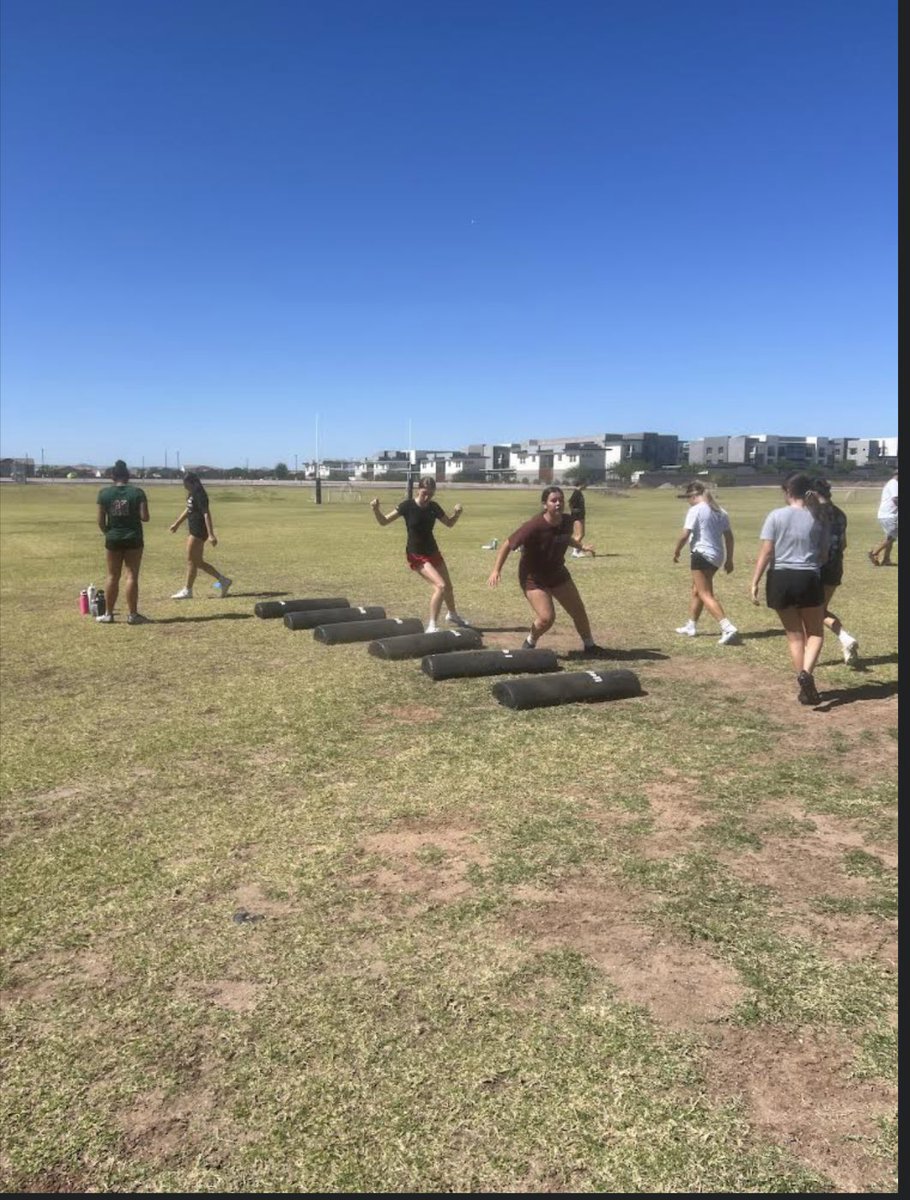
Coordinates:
<point>796,636</point>
<point>568,596</point>
<point>112,582</point>
<point>438,584</point>
<point>703,586</point>
<point>541,603</point>
<point>131,561</point>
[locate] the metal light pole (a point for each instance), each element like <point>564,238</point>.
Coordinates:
<point>318,479</point>
<point>295,468</point>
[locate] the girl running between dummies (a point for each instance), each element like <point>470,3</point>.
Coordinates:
<point>542,572</point>
<point>420,514</point>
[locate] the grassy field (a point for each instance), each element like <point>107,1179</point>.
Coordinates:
<point>285,917</point>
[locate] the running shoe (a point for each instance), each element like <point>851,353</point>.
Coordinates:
<point>807,690</point>
<point>432,627</point>
<point>225,584</point>
<point>183,594</point>
<point>728,636</point>
<point>687,630</point>
<point>105,618</point>
<point>455,618</point>
<point>851,653</point>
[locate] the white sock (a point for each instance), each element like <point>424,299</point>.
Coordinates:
<point>845,638</point>
<point>726,624</point>
<point>531,641</point>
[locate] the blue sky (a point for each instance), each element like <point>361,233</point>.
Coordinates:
<point>474,221</point>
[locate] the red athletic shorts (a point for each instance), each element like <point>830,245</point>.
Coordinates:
<point>416,561</point>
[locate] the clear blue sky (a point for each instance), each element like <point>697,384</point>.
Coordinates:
<point>493,219</point>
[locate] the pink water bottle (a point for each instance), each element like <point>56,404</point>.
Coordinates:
<point>83,602</point>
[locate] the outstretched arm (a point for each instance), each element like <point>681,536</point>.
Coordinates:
<point>450,521</point>
<point>383,518</point>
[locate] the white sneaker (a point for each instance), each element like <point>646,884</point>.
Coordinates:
<point>851,653</point>
<point>224,584</point>
<point>455,618</point>
<point>432,627</point>
<point>577,554</point>
<point>105,618</point>
<point>687,630</point>
<point>728,636</point>
<point>183,594</point>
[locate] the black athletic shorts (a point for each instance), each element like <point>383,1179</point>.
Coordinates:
<point>698,562</point>
<point>786,588</point>
<point>833,572</point>
<point>132,544</point>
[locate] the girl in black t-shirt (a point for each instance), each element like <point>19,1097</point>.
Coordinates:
<point>199,525</point>
<point>420,515</point>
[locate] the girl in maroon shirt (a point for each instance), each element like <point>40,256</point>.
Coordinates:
<point>542,572</point>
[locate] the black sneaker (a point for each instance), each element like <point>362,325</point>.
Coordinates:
<point>807,690</point>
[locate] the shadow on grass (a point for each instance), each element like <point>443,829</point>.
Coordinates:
<point>868,691</point>
<point>501,628</point>
<point>232,595</point>
<point>228,616</point>
<point>862,666</point>
<point>614,656</point>
<point>761,633</point>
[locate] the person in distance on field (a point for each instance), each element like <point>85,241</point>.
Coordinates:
<point>710,538</point>
<point>122,508</point>
<point>542,572</point>
<point>420,514</point>
<point>577,513</point>
<point>793,549</point>
<point>198,517</point>
<point>832,572</point>
<point>887,517</point>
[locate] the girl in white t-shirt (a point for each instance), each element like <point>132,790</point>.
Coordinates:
<point>710,538</point>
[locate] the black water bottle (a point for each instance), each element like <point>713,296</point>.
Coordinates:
<point>100,608</point>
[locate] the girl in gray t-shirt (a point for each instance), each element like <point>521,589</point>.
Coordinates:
<point>793,548</point>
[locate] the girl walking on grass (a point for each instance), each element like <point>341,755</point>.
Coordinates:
<point>832,573</point>
<point>707,531</point>
<point>201,530</point>
<point>420,514</point>
<point>793,549</point>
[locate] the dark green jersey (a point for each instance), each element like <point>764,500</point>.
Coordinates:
<point>122,502</point>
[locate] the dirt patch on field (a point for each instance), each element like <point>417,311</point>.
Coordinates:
<point>160,1125</point>
<point>429,863</point>
<point>680,984</point>
<point>863,724</point>
<point>235,995</point>
<point>251,900</point>
<point>40,978</point>
<point>800,1091</point>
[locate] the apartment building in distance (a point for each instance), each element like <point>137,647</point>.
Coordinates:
<point>762,450</point>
